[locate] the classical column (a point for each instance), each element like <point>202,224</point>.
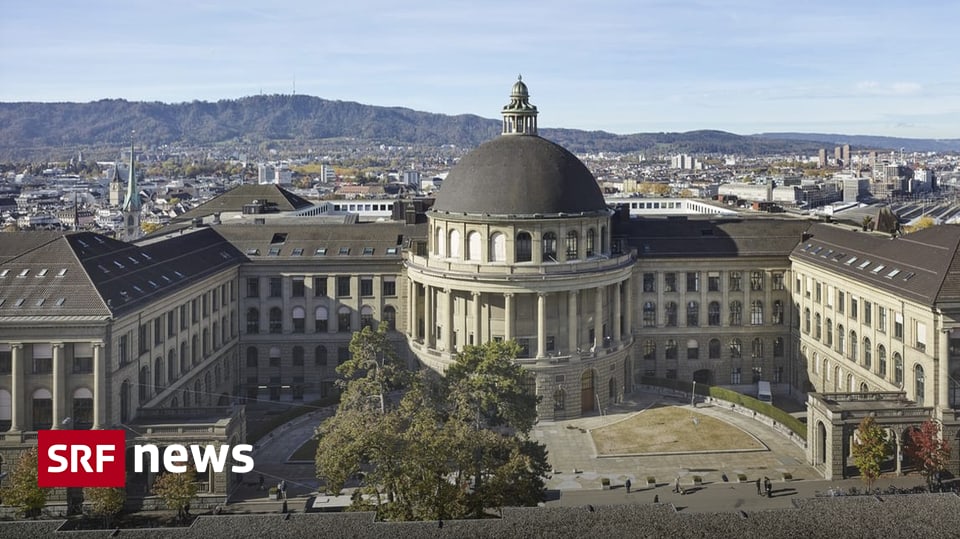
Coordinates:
<point>943,370</point>
<point>58,387</point>
<point>99,386</point>
<point>18,401</point>
<point>507,316</point>
<point>572,327</point>
<point>618,290</point>
<point>541,324</point>
<point>428,313</point>
<point>598,319</point>
<point>411,308</point>
<point>477,327</point>
<point>628,314</point>
<point>448,320</point>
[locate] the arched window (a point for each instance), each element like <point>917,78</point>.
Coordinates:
<point>693,314</point>
<point>366,317</point>
<point>867,354</point>
<point>524,247</point>
<point>736,348</point>
<point>253,320</point>
<point>206,342</point>
<point>559,399</point>
<point>777,318</point>
<point>344,316</point>
<point>603,241</point>
<point>881,361</point>
<point>806,321</point>
<point>591,242</point>
<point>756,348</point>
<point>649,314</point>
<point>498,247</point>
<point>276,320</point>
<point>171,365</point>
<point>82,408</point>
<point>693,349</point>
<point>454,243</point>
<point>43,409</point>
<point>184,364</point>
<point>573,247</point>
<point>815,363</point>
<point>320,356</point>
<point>670,349</point>
<point>298,314</point>
<point>736,313</point>
<point>918,383</point>
<point>158,373</point>
<point>778,347</point>
<point>897,369</point>
<point>713,313</point>
<point>252,357</point>
<point>473,246</point>
<point>321,320</point>
<point>841,339</point>
<point>714,349</point>
<point>829,324</point>
<point>389,317</point>
<point>195,349</point>
<point>144,384</point>
<point>549,247</point>
<point>853,345</point>
<point>670,312</point>
<point>756,312</point>
<point>438,242</point>
<point>816,327</point>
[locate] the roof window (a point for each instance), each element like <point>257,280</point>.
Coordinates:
<point>893,273</point>
<point>321,251</point>
<point>864,264</point>
<point>42,273</point>
<point>344,251</point>
<point>62,272</point>
<point>878,269</point>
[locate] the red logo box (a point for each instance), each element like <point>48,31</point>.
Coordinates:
<point>81,458</point>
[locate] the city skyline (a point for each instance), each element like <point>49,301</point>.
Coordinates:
<point>870,68</point>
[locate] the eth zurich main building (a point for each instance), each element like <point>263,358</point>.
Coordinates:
<point>254,296</point>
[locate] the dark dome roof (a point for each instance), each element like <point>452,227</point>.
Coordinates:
<point>519,175</point>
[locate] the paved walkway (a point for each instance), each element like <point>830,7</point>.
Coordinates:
<point>576,480</point>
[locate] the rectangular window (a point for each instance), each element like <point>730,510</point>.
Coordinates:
<point>867,313</point>
<point>713,281</point>
<point>205,304</point>
<point>123,350</point>
<point>184,321</point>
<point>171,323</point>
<point>297,287</point>
<point>830,296</point>
<point>343,286</point>
<point>853,307</point>
<point>921,336</point>
<point>276,287</point>
<point>366,287</point>
<point>735,376</point>
<point>649,282</point>
<point>693,281</point>
<point>389,286</point>
<point>898,326</point>
<point>6,361</point>
<point>778,281</point>
<point>841,301</point>
<point>158,330</point>
<point>881,319</point>
<point>670,282</point>
<point>818,293</point>
<point>253,287</point>
<point>756,280</point>
<point>143,342</point>
<point>736,281</point>
<point>319,286</point>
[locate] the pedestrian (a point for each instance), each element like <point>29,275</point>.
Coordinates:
<point>768,486</point>
<point>260,487</point>
<point>628,484</point>
<point>759,492</point>
<point>283,489</point>
<point>676,484</point>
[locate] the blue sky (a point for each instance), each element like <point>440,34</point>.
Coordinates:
<point>745,66</point>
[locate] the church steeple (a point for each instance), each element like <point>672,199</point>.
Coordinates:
<point>519,116</point>
<point>131,204</point>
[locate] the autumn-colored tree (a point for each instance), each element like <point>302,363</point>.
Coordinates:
<point>22,490</point>
<point>105,503</point>
<point>928,450</point>
<point>870,449</point>
<point>177,489</point>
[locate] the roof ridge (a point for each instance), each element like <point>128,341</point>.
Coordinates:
<point>954,263</point>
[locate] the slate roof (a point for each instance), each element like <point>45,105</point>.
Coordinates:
<point>234,200</point>
<point>923,266</point>
<point>712,237</point>
<point>83,275</point>
<point>300,239</point>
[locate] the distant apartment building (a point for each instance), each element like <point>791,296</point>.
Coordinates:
<point>685,162</point>
<point>275,174</point>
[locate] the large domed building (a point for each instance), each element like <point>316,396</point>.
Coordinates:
<point>519,248</point>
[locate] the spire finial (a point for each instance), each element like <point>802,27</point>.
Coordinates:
<point>519,77</point>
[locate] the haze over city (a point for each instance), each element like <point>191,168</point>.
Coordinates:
<point>876,68</point>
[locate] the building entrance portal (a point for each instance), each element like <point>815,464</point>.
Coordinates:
<point>587,394</point>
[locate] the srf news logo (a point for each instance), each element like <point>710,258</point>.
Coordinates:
<point>98,458</point>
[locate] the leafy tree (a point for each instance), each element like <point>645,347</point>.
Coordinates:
<point>870,449</point>
<point>105,502</point>
<point>424,456</point>
<point>928,449</point>
<point>177,489</point>
<point>866,223</point>
<point>22,490</point>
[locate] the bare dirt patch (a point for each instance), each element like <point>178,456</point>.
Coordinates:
<point>670,429</point>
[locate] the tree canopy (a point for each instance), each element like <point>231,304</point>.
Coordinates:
<point>105,502</point>
<point>177,490</point>
<point>442,448</point>
<point>870,449</point>
<point>21,490</point>
<point>928,450</point>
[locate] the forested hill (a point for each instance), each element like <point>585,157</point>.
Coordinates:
<point>28,128</point>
